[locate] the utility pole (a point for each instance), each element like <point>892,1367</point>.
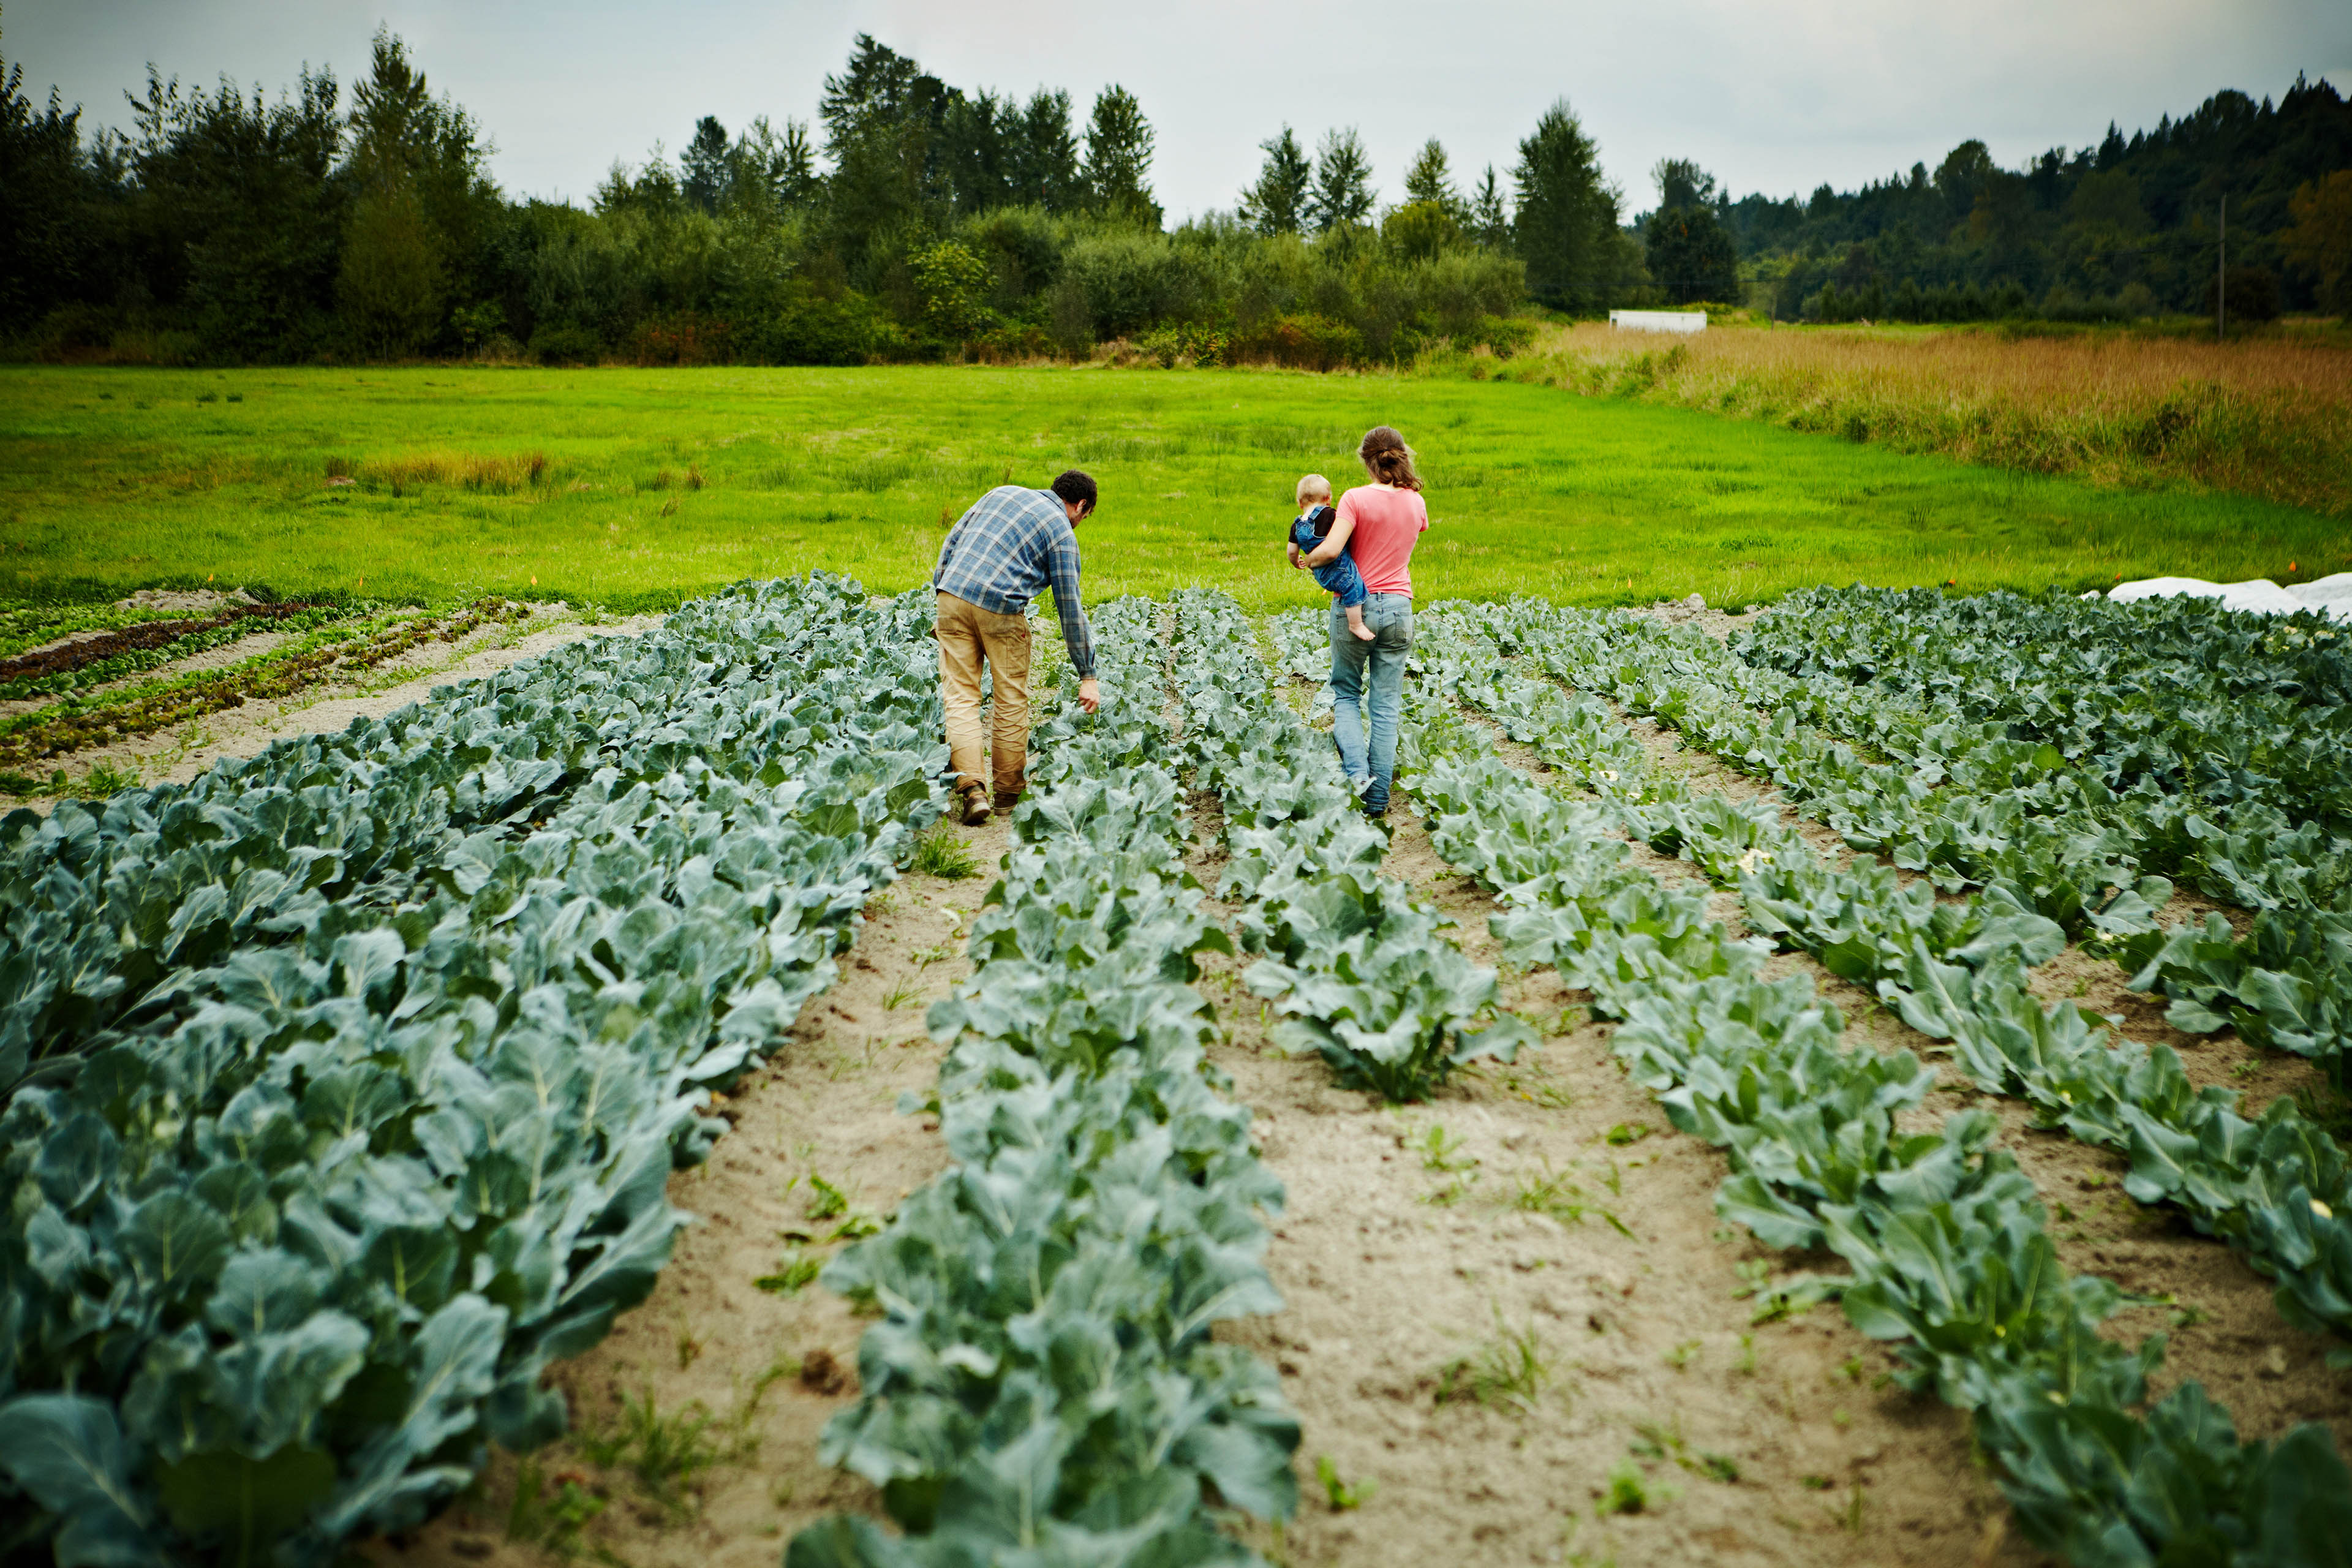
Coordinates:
<point>2222,280</point>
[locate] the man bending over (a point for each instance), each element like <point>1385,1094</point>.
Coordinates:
<point>1012,542</point>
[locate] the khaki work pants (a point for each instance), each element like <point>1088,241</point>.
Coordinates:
<point>968,636</point>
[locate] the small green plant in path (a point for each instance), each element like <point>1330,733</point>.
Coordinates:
<point>1510,1370</point>
<point>795,1273</point>
<point>940,853</point>
<point>665,1453</point>
<point>1342,1495</point>
<point>1628,1491</point>
<point>551,1512</point>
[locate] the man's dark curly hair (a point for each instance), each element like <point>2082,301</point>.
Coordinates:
<point>1074,486</point>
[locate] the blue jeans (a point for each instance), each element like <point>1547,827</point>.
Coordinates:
<point>1389,617</point>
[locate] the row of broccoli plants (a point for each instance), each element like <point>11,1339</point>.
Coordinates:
<point>2224,741</point>
<point>386,1126</point>
<point>1946,1243</point>
<point>2217,709</point>
<point>2068,748</point>
<point>332,648</point>
<point>1353,962</point>
<point>102,902</point>
<point>2288,984</point>
<point>2278,1187</point>
<point>1041,1387</point>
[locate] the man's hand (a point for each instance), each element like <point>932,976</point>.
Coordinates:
<point>1089,695</point>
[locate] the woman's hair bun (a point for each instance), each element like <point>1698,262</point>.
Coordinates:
<point>1387,458</point>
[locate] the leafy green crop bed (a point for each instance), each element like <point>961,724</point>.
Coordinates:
<point>1944,1239</point>
<point>347,1080</point>
<point>332,643</point>
<point>344,1083</point>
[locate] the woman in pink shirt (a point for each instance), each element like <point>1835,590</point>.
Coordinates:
<point>1378,523</point>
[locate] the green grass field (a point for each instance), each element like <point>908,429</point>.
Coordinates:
<point>662,484</point>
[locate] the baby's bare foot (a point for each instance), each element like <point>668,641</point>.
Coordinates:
<point>1364,632</point>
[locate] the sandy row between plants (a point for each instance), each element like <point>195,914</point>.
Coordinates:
<point>179,754</point>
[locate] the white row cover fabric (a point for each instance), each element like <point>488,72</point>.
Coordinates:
<point>2332,596</point>
<point>1660,320</point>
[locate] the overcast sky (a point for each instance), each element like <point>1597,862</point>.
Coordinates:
<point>1771,97</point>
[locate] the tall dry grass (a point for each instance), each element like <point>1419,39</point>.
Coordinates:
<point>2269,417</point>
<point>494,474</point>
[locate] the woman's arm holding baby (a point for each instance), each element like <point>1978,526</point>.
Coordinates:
<point>1333,543</point>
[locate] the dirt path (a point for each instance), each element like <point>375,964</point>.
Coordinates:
<point>1431,1249</point>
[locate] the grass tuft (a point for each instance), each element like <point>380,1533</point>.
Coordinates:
<point>940,853</point>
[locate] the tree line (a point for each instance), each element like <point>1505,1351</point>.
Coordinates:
<point>2132,226</point>
<point>913,220</point>
<point>917,220</point>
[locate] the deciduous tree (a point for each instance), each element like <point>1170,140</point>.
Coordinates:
<point>2320,243</point>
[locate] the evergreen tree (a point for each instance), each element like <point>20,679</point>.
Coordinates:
<point>795,165</point>
<point>1566,224</point>
<point>881,88</point>
<point>1489,224</point>
<point>421,208</point>
<point>1041,157</point>
<point>1118,158</point>
<point>1278,202</point>
<point>240,208</point>
<point>1430,180</point>
<point>704,164</point>
<point>1342,190</point>
<point>884,118</point>
<point>974,154</point>
<point>46,201</point>
<point>780,169</point>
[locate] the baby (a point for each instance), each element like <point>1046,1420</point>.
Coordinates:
<point>1309,529</point>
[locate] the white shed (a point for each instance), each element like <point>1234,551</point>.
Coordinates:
<point>1659,320</point>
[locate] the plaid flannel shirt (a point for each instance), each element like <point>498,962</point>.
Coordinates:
<point>1012,542</point>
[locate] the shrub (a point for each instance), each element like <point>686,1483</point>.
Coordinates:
<point>2251,296</point>
<point>1303,343</point>
<point>564,343</point>
<point>953,284</point>
<point>683,339</point>
<point>818,331</point>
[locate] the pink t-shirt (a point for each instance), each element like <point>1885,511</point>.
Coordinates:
<point>1387,524</point>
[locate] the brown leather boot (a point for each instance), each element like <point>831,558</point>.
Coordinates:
<point>975,806</point>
